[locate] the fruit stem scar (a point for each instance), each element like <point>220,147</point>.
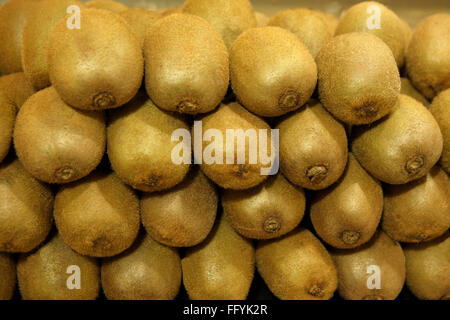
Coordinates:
<point>272,224</point>
<point>241,170</point>
<point>316,290</point>
<point>103,100</point>
<point>289,99</point>
<point>317,174</point>
<point>64,173</point>
<point>368,110</point>
<point>188,106</point>
<point>414,164</point>
<point>350,237</point>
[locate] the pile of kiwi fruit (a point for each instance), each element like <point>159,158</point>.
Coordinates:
<point>95,98</point>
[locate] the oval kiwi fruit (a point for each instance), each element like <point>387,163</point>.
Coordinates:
<point>267,86</point>
<point>8,276</point>
<point>56,143</point>
<point>347,214</point>
<point>420,210</point>
<point>409,90</point>
<point>313,147</point>
<point>186,64</point>
<point>359,81</point>
<point>297,267</point>
<point>220,268</point>
<point>440,108</point>
<point>257,214</point>
<point>427,62</point>
<point>146,271</point>
<point>401,148</point>
<point>228,17</point>
<point>25,208</point>
<point>184,215</point>
<point>140,20</point>
<point>109,5</point>
<point>104,58</point>
<point>140,145</point>
<point>381,258</point>
<point>45,274</point>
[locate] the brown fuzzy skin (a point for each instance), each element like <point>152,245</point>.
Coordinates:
<point>391,29</point>
<point>409,90</point>
<point>16,88</point>
<point>182,216</point>
<point>8,276</point>
<point>401,148</point>
<point>428,267</point>
<point>98,216</point>
<point>99,66</point>
<point>186,64</point>
<point>229,18</point>
<point>313,147</point>
<point>308,25</point>
<point>359,82</point>
<point>266,212</point>
<point>42,275</point>
<point>440,108</point>
<point>220,268</point>
<point>7,117</point>
<point>234,176</point>
<point>109,5</point>
<point>297,267</point>
<point>56,143</point>
<point>420,210</point>
<point>347,214</point>
<point>25,209</point>
<point>272,71</point>
<point>39,24</point>
<point>140,20</point>
<point>352,266</point>
<point>140,146</point>
<point>147,271</point>
<point>427,61</point>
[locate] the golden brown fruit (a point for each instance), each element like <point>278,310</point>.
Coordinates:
<point>272,72</point>
<point>186,64</point>
<point>409,90</point>
<point>347,214</point>
<point>110,5</point>
<point>140,20</point>
<point>25,208</point>
<point>401,148</point>
<point>7,118</point>
<point>297,267</point>
<point>313,147</point>
<point>265,212</point>
<point>220,268</point>
<point>54,271</point>
<point>8,276</point>
<point>16,88</point>
<point>56,143</point>
<point>146,271</point>
<point>440,108</point>
<point>184,215</point>
<point>359,82</point>
<point>261,19</point>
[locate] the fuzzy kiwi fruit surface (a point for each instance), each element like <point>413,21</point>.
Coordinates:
<point>140,20</point>
<point>8,276</point>
<point>56,272</point>
<point>313,147</point>
<point>409,90</point>
<point>56,143</point>
<point>440,108</point>
<point>269,86</point>
<point>401,148</point>
<point>220,268</point>
<point>184,215</point>
<point>359,81</point>
<point>297,267</point>
<point>110,5</point>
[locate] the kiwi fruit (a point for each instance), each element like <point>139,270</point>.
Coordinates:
<point>257,214</point>
<point>8,276</point>
<point>308,25</point>
<point>109,5</point>
<point>267,86</point>
<point>359,82</point>
<point>420,210</point>
<point>232,176</point>
<point>428,267</point>
<point>97,216</point>
<point>56,143</point>
<point>261,19</point>
<point>313,147</point>
<point>25,208</point>
<point>184,215</point>
<point>36,32</point>
<point>50,272</point>
<point>357,269</point>
<point>297,267</point>
<point>220,268</point>
<point>186,64</point>
<point>146,271</point>
<point>440,108</point>
<point>430,73</point>
<point>391,29</point>
<point>228,17</point>
<point>347,214</point>
<point>409,90</point>
<point>140,20</point>
<point>104,58</point>
<point>140,145</point>
<point>401,148</point>
<point>331,21</point>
